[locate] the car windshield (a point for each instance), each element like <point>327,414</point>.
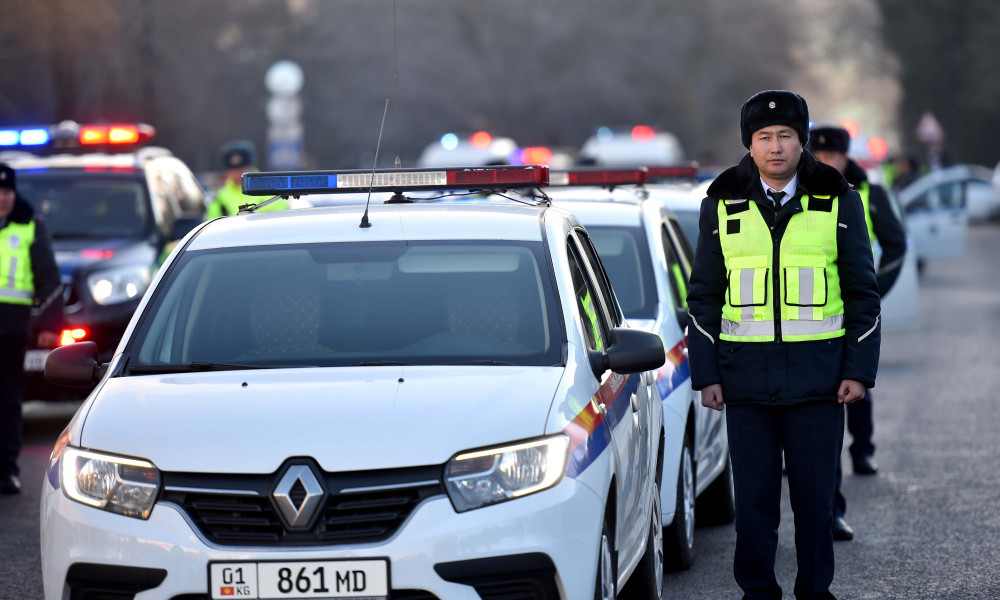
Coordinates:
<point>341,304</point>
<point>624,252</point>
<point>87,205</point>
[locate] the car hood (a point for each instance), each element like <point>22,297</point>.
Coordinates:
<point>346,418</point>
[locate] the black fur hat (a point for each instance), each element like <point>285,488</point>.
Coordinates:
<point>239,154</point>
<point>774,107</point>
<point>829,137</point>
<point>6,177</point>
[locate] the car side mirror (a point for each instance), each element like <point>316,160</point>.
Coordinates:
<point>74,365</point>
<point>182,227</point>
<point>633,351</point>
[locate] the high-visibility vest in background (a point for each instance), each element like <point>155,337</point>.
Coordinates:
<point>807,299</point>
<point>864,190</point>
<point>17,280</point>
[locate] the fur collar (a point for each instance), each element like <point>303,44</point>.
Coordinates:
<point>854,174</point>
<point>22,213</point>
<point>814,178</point>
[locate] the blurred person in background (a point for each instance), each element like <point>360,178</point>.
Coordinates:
<point>238,157</point>
<point>784,330</point>
<point>830,144</point>
<point>28,277</point>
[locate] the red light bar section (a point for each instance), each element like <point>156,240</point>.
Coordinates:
<point>607,177</point>
<point>95,135</point>
<point>672,172</point>
<point>535,176</point>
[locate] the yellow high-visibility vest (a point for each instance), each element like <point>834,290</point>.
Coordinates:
<point>808,300</point>
<point>17,280</point>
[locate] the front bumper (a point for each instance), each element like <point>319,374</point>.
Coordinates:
<point>431,551</point>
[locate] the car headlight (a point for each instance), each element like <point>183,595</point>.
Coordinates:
<point>118,285</point>
<point>485,477</point>
<point>121,485</point>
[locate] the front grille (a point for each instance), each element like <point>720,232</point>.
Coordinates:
<point>359,508</point>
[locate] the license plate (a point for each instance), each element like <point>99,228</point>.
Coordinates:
<point>34,360</point>
<point>348,579</point>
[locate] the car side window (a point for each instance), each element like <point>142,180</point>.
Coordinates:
<point>675,274</point>
<point>192,196</point>
<point>586,302</point>
<point>682,240</point>
<point>614,312</point>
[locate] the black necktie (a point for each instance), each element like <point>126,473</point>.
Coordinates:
<point>776,197</point>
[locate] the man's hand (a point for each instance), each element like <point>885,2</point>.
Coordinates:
<point>850,391</point>
<point>711,396</point>
<point>48,339</point>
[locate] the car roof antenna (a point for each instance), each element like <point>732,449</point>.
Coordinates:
<point>365,223</point>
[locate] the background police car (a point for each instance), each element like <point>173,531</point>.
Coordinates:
<point>111,209</point>
<point>177,426</point>
<point>639,244</point>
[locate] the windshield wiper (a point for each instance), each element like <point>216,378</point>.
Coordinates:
<point>486,361</point>
<point>193,367</point>
<point>381,363</point>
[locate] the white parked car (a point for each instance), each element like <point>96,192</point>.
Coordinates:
<point>648,260</point>
<point>443,402</point>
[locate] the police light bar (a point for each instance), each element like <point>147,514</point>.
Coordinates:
<point>598,177</point>
<point>662,173</point>
<point>99,135</point>
<point>35,136</point>
<point>393,180</point>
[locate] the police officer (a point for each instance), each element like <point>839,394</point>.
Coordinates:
<point>238,157</point>
<point>784,331</point>
<point>28,275</point>
<point>830,145</point>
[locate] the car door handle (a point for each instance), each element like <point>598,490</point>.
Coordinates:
<point>635,403</point>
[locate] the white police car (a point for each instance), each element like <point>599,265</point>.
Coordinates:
<point>430,402</point>
<point>647,259</point>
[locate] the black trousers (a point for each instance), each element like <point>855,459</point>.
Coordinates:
<point>810,437</point>
<point>859,424</point>
<point>12,349</point>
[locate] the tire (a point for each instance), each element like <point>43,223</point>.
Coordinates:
<point>678,538</point>
<point>646,582</point>
<point>717,504</point>
<point>607,578</point>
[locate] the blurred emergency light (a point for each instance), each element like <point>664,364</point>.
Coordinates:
<point>536,155</point>
<point>643,133</point>
<point>878,148</point>
<point>9,137</point>
<point>71,336</point>
<point>481,140</point>
<point>34,137</point>
<point>449,141</point>
<point>92,135</point>
<point>851,126</point>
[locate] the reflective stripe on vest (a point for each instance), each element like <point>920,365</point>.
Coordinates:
<point>17,281</point>
<point>809,302</point>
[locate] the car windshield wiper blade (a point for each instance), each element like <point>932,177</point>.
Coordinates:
<point>196,367</point>
<point>486,361</point>
<point>381,363</point>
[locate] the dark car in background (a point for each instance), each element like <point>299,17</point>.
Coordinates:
<point>111,208</point>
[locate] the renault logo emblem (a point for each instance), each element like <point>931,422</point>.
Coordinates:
<point>298,496</point>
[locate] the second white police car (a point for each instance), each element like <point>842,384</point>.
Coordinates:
<point>427,402</point>
<point>648,260</point>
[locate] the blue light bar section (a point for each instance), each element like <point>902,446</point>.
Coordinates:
<point>279,184</point>
<point>9,137</point>
<point>34,137</point>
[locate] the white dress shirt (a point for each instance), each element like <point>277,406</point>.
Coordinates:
<point>789,188</point>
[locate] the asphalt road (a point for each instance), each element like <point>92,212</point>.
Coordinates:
<point>926,526</point>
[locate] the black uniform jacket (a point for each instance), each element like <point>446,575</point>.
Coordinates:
<point>784,372</point>
<point>888,229</point>
<point>15,318</point>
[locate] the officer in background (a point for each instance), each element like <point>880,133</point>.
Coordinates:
<point>830,144</point>
<point>784,330</point>
<point>238,157</point>
<point>28,276</point>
